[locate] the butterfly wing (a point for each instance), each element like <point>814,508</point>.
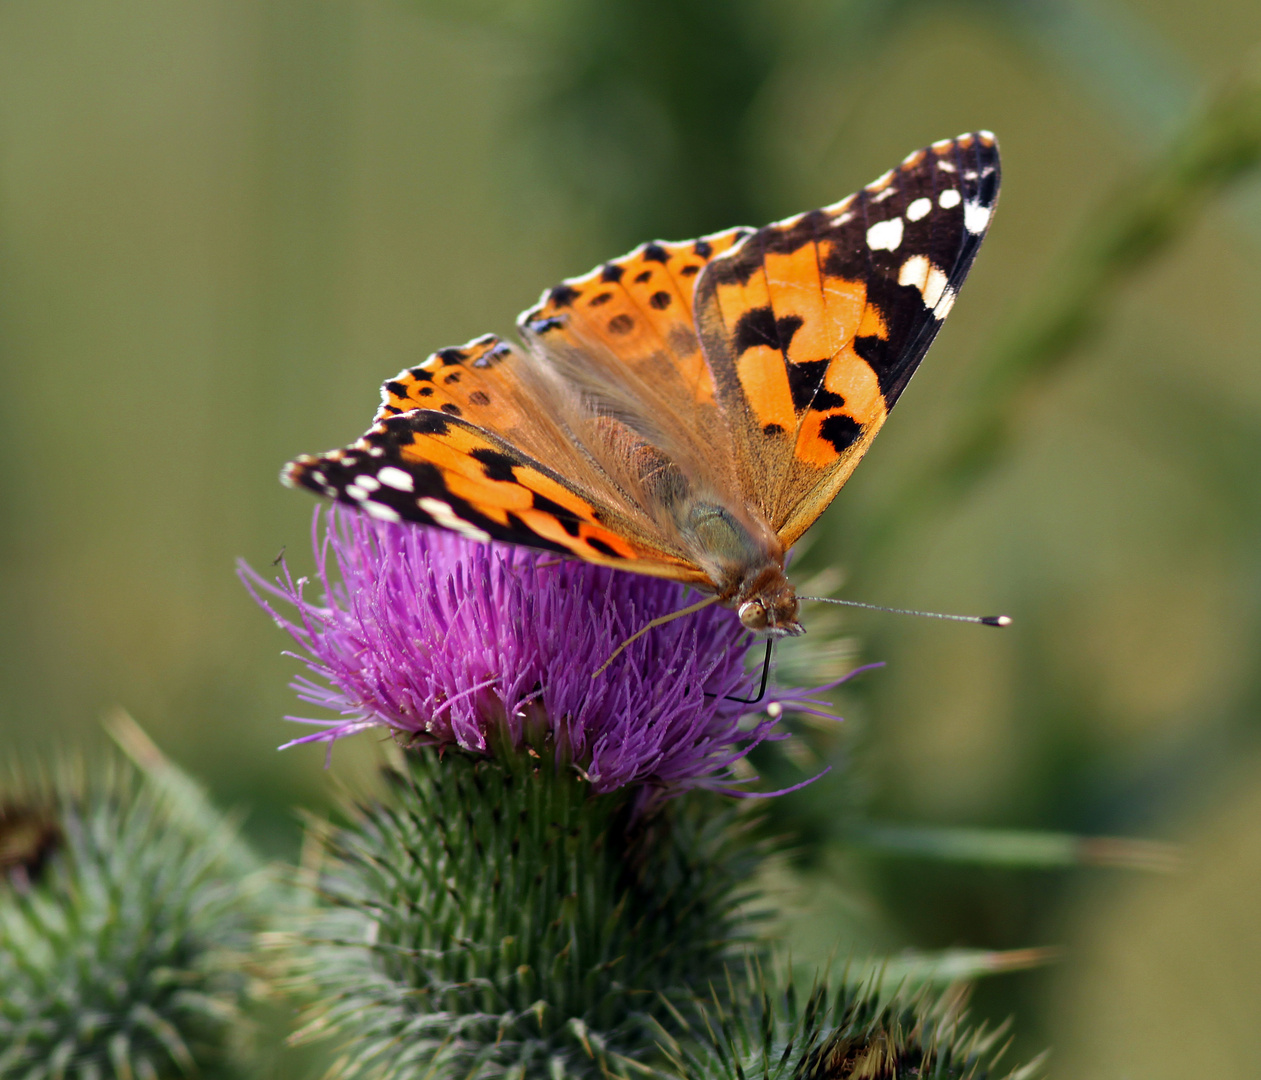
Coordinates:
<point>625,338</point>
<point>759,388</point>
<point>462,460</point>
<point>812,327</point>
<point>489,383</point>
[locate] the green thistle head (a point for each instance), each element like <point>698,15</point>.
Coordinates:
<point>124,918</point>
<point>488,919</point>
<point>754,1029</point>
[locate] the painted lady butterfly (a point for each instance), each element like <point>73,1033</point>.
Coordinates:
<point>689,410</point>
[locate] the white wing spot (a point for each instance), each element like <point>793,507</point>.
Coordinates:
<point>379,511</point>
<point>356,493</point>
<point>946,166</point>
<point>443,515</point>
<point>949,199</point>
<point>396,478</point>
<point>942,144</point>
<point>885,235</point>
<point>845,218</point>
<point>918,209</point>
<point>368,483</point>
<point>375,451</point>
<point>914,271</point>
<point>942,308</point>
<point>934,287</point>
<point>880,197</point>
<point>929,279</point>
<point>975,217</point>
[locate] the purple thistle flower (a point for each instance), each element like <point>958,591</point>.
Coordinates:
<point>490,646</point>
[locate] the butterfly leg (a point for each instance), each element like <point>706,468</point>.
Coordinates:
<point>766,675</point>
<point>655,622</point>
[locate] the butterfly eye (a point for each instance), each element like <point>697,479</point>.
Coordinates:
<point>753,615</point>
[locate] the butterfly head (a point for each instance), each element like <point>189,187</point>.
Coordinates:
<point>768,605</point>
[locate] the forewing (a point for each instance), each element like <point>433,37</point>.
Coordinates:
<point>440,466</point>
<point>812,327</point>
<point>490,383</point>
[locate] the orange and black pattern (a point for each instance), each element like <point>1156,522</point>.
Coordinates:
<point>813,326</point>
<point>749,370</point>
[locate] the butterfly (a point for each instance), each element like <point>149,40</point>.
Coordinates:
<point>689,410</point>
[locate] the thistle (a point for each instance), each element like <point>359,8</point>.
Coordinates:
<point>757,1027</point>
<point>487,647</point>
<point>124,920</point>
<point>496,917</point>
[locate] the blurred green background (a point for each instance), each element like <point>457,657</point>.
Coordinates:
<point>223,223</point>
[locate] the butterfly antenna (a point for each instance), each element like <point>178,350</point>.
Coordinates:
<point>983,620</point>
<point>660,621</point>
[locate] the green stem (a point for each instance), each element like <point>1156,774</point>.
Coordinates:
<point>1014,849</point>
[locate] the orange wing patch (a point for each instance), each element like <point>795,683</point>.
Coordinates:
<point>455,381</point>
<point>637,303</point>
<point>625,331</point>
<point>779,328</point>
<point>490,383</point>
<point>482,382</point>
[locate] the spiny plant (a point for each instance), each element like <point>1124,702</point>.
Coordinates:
<point>756,1026</point>
<point>491,917</point>
<point>127,905</point>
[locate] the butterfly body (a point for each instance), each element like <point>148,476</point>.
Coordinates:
<point>744,565</point>
<point>686,411</point>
